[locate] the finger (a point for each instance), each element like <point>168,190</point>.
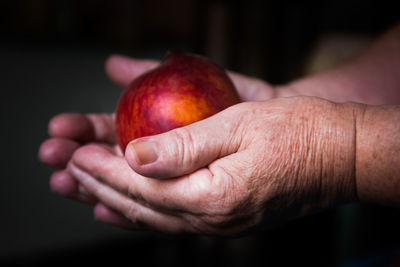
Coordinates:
<point>184,150</point>
<point>80,127</point>
<point>106,215</point>
<point>141,216</point>
<point>181,195</point>
<point>122,70</point>
<point>252,89</point>
<point>65,185</point>
<point>57,152</point>
<point>113,170</point>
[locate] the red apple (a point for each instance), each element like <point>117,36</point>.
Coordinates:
<point>183,89</point>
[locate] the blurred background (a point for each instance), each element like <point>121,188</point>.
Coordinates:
<point>51,61</point>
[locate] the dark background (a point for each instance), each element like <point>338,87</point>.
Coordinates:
<point>51,61</point>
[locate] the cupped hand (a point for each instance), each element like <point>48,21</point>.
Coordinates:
<point>256,163</point>
<point>70,131</point>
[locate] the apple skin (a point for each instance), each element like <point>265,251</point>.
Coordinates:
<point>183,89</point>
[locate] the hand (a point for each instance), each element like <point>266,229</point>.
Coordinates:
<point>70,131</point>
<point>254,163</point>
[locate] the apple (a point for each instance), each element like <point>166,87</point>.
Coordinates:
<point>183,89</point>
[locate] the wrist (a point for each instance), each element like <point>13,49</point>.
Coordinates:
<point>378,157</point>
<point>326,151</point>
<point>337,151</point>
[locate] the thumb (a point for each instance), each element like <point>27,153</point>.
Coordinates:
<point>184,150</point>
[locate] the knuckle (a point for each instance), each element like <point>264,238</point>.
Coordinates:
<point>219,202</point>
<point>184,145</point>
<point>226,196</point>
<point>230,200</point>
<point>225,208</point>
<point>132,213</point>
<point>99,191</point>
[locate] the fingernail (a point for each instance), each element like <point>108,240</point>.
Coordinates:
<point>144,152</point>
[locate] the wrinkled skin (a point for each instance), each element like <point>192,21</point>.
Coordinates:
<point>255,167</point>
<point>262,168</point>
<point>255,163</point>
